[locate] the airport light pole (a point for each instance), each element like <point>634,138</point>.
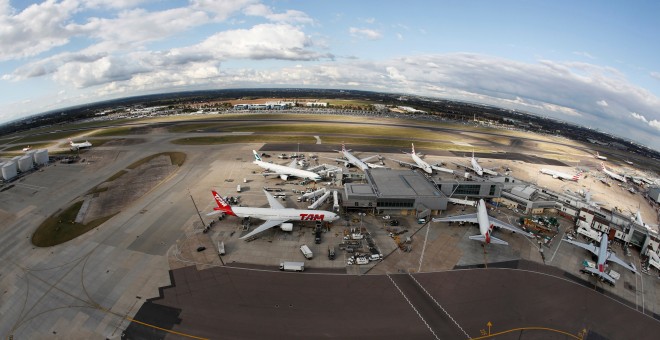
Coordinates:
<point>197,210</point>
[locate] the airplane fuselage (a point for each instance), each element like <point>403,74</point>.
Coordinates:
<point>422,165</point>
<point>476,167</point>
<point>560,175</point>
<point>281,169</point>
<point>355,161</point>
<point>602,253</point>
<point>484,223</point>
<point>287,214</point>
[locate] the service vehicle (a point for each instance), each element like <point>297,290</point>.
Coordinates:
<point>292,266</point>
<point>304,249</point>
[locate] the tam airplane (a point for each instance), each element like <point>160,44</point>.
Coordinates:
<point>604,255</point>
<point>77,146</point>
<point>612,174</point>
<point>274,216</point>
<point>477,168</point>
<point>421,164</point>
<point>486,224</point>
<point>285,171</point>
<point>356,162</point>
<point>561,175</point>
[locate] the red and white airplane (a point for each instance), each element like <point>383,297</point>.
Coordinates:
<point>604,255</point>
<point>562,175</point>
<point>616,176</point>
<point>274,216</point>
<point>486,224</point>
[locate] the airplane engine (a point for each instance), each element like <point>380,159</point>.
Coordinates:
<point>554,176</point>
<point>286,226</point>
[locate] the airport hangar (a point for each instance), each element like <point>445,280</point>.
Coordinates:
<point>409,192</point>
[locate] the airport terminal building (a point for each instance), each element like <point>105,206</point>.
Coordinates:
<point>410,192</point>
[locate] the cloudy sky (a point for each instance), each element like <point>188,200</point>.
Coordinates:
<point>596,63</point>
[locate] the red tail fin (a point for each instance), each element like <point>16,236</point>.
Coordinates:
<point>222,204</point>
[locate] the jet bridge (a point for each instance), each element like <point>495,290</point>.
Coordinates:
<point>319,201</point>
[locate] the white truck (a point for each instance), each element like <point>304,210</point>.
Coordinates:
<point>306,251</point>
<point>292,266</point>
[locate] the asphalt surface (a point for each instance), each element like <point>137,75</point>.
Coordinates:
<point>234,303</point>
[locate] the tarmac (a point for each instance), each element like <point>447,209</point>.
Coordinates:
<point>98,285</point>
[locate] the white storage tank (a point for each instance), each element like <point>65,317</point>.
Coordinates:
<point>41,157</point>
<point>25,163</point>
<point>16,158</point>
<point>9,170</point>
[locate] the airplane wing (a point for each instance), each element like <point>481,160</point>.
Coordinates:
<point>472,218</point>
<point>490,172</point>
<point>508,226</point>
<point>438,168</point>
<point>265,226</point>
<point>463,165</point>
<point>404,163</point>
<point>601,274</point>
<point>336,159</point>
<point>273,202</point>
<point>612,257</point>
<point>368,158</point>
<point>371,165</point>
<point>590,247</point>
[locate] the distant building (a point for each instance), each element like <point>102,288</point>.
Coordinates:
<point>316,104</point>
<point>654,194</point>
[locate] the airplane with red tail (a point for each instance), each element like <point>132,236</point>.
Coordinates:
<point>486,224</point>
<point>274,216</point>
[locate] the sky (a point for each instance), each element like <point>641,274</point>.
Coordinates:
<point>594,63</point>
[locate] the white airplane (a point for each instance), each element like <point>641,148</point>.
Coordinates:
<point>600,157</point>
<point>27,148</point>
<point>274,216</point>
<point>285,171</point>
<point>486,224</point>
<point>612,174</point>
<point>561,175</point>
<point>420,163</point>
<point>604,255</point>
<point>477,168</point>
<point>629,162</point>
<point>77,146</point>
<point>356,162</point>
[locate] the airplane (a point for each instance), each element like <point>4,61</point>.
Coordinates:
<point>477,168</point>
<point>274,216</point>
<point>27,148</point>
<point>629,162</point>
<point>356,162</point>
<point>486,224</point>
<point>604,255</point>
<point>420,163</point>
<point>612,174</point>
<point>600,157</point>
<point>285,171</point>
<point>561,175</point>
<point>77,146</point>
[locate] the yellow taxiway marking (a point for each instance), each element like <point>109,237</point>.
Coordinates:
<point>486,336</point>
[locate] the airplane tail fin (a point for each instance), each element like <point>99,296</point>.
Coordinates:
<point>70,142</point>
<point>343,147</point>
<point>256,156</point>
<point>602,166</point>
<point>222,204</point>
<point>413,148</point>
<point>490,239</point>
<point>578,176</point>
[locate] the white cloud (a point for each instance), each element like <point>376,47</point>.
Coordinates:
<point>289,16</point>
<point>655,124</point>
<point>38,28</point>
<point>639,117</point>
<point>399,36</point>
<point>222,9</point>
<point>364,33</point>
<point>370,20</point>
<point>602,103</point>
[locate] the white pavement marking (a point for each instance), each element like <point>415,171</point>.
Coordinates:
<point>413,307</point>
<point>438,304</point>
<point>318,139</point>
<point>561,240</point>
<point>426,237</point>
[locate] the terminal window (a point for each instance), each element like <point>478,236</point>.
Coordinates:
<point>395,203</point>
<point>467,189</point>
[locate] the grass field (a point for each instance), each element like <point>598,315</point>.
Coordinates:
<point>62,227</point>
<point>244,139</point>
